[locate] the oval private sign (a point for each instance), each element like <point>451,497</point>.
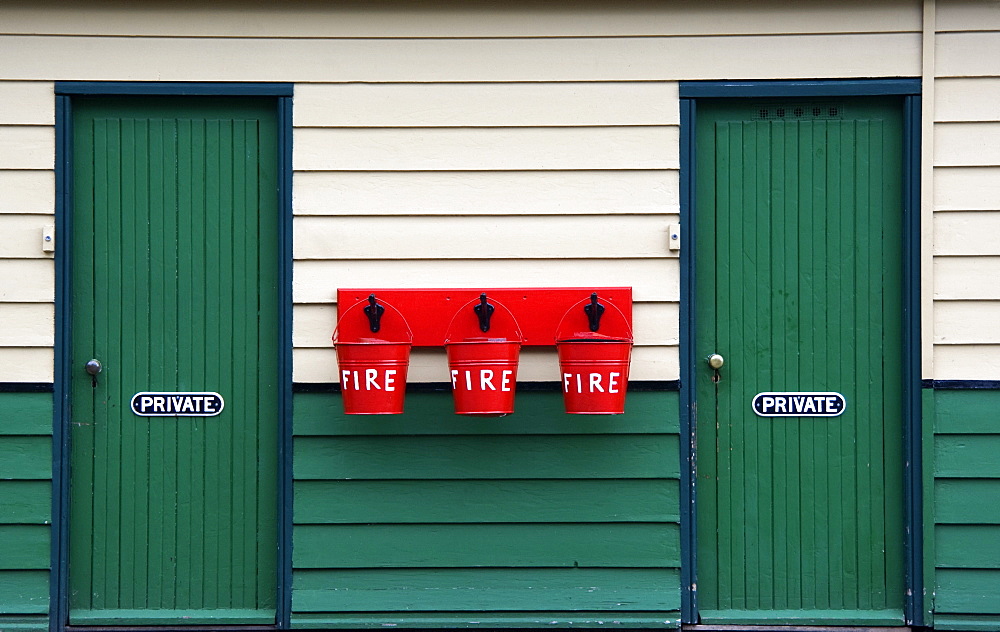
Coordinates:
<point>172,404</point>
<point>823,404</point>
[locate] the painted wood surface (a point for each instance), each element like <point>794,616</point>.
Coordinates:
<point>174,289</point>
<point>962,99</point>
<point>960,54</point>
<point>476,19</point>
<point>967,189</point>
<point>798,275</point>
<point>28,191</point>
<point>27,147</point>
<point>967,144</point>
<point>27,103</point>
<point>432,60</point>
<point>536,512</point>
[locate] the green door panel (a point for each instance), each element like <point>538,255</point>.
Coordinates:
<point>799,286</point>
<point>174,288</point>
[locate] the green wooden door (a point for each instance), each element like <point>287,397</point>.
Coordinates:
<point>799,287</point>
<point>173,520</point>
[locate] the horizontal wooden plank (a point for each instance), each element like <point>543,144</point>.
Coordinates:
<point>972,277</point>
<point>584,501</point>
<point>651,280</point>
<point>508,590</point>
<point>880,620</point>
<point>321,414</point>
<point>967,362</point>
<point>658,322</point>
<point>467,19</point>
<point>967,233</point>
<point>487,545</point>
<point>27,280</point>
<point>26,364</point>
<point>25,502</point>
<point>964,591</point>
<point>967,322</point>
<point>961,54</point>
<point>967,189</point>
<point>25,413</point>
<point>15,623</point>
<point>27,103</point>
<point>966,501</point>
<point>962,99</point>
<point>486,105</point>
<point>27,324</point>
<point>482,237</point>
<point>28,192</point>
<point>21,235</point>
<point>216,617</point>
<point>487,457</point>
<point>967,144</point>
<point>27,147</point>
<point>487,149</point>
<point>967,456</point>
<point>967,15</point>
<point>537,364</point>
<point>967,411</point>
<point>25,458</point>
<point>485,192</point>
<point>464,59</point>
<point>967,546</point>
<point>484,620</point>
<point>25,547</point>
<point>24,592</point>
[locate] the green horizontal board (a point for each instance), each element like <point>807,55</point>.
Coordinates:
<point>24,624</point>
<point>967,456</point>
<point>25,502</point>
<point>967,411</point>
<point>222,616</point>
<point>487,545</point>
<point>968,546</point>
<point>536,413</point>
<point>24,547</point>
<point>559,500</point>
<point>486,620</point>
<point>891,617</point>
<point>25,413</point>
<point>25,458</point>
<point>24,592</point>
<point>967,501</point>
<point>489,456</point>
<point>965,591</point>
<point>967,623</point>
<point>574,589</point>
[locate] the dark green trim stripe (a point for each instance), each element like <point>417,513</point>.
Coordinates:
<point>26,387</point>
<point>800,88</point>
<point>285,491</point>
<point>689,549</point>
<point>174,88</point>
<point>59,576</point>
<point>636,386</point>
<point>912,402</point>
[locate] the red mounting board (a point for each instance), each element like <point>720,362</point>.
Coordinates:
<point>536,310</point>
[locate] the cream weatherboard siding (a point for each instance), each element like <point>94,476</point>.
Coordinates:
<point>967,191</point>
<point>548,136</point>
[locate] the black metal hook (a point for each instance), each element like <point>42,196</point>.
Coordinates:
<point>374,313</point>
<point>594,312</point>
<point>484,311</point>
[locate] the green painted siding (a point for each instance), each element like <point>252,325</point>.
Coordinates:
<point>431,519</point>
<point>25,509</point>
<point>966,500</point>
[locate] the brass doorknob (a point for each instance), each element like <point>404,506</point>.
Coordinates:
<point>715,361</point>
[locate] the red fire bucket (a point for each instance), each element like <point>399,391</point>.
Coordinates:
<point>594,366</point>
<point>483,368</point>
<point>372,365</point>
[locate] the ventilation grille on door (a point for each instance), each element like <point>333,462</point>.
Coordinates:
<point>798,111</point>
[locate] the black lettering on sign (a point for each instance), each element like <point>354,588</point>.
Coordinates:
<point>177,404</point>
<point>799,404</point>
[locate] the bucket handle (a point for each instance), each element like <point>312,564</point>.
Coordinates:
<point>478,304</point>
<point>589,305</point>
<point>374,311</point>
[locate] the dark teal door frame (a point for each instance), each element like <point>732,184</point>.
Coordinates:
<point>65,92</point>
<point>909,89</point>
